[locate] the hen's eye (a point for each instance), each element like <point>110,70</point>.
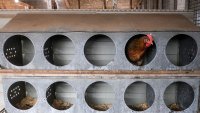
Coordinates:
<point>146,40</point>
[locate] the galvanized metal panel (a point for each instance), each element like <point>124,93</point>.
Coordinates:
<point>80,85</point>
<point>98,23</point>
<point>79,61</point>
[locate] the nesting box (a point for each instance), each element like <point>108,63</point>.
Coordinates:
<point>98,41</point>
<point>63,94</point>
<point>87,69</point>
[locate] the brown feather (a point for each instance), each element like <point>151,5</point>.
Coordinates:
<point>137,49</point>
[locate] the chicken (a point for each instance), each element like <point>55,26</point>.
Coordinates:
<point>137,48</point>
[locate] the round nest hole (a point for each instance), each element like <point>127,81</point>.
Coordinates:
<point>139,96</point>
<point>100,96</point>
<point>137,52</point>
<point>19,50</point>
<point>22,95</point>
<point>178,96</point>
<point>59,50</point>
<point>181,50</point>
<point>99,50</point>
<point>61,95</point>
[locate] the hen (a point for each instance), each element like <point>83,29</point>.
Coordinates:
<point>137,47</point>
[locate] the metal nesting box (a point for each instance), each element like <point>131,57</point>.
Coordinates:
<point>78,42</point>
<point>75,46</point>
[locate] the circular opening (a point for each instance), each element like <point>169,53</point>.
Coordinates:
<point>139,96</point>
<point>22,95</point>
<point>59,50</point>
<point>99,50</point>
<point>19,50</point>
<point>181,50</point>
<point>61,95</point>
<point>100,96</point>
<point>178,96</point>
<point>137,52</point>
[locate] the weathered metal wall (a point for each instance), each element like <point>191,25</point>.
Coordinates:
<point>79,62</point>
<point>119,85</point>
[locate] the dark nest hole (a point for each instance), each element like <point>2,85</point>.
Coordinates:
<point>59,50</point>
<point>181,50</point>
<point>100,96</point>
<point>149,54</point>
<point>99,50</point>
<point>61,96</point>
<point>19,50</point>
<point>22,95</point>
<point>178,96</point>
<point>139,96</point>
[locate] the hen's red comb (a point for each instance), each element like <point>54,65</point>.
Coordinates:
<point>150,37</point>
<point>150,42</point>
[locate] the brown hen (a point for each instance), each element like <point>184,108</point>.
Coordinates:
<point>137,47</point>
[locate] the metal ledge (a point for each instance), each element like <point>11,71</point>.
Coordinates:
<point>98,23</point>
<point>102,74</point>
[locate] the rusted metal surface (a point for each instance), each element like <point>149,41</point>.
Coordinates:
<point>98,23</point>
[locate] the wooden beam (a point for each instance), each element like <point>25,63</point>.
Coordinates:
<point>104,2</point>
<point>79,4</point>
<point>181,4</point>
<point>49,6</point>
<point>171,4</point>
<point>107,72</point>
<point>131,4</point>
<point>160,4</point>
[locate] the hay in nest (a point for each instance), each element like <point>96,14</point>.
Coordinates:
<point>175,107</point>
<point>61,105</point>
<point>101,107</point>
<point>26,103</point>
<point>140,107</point>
